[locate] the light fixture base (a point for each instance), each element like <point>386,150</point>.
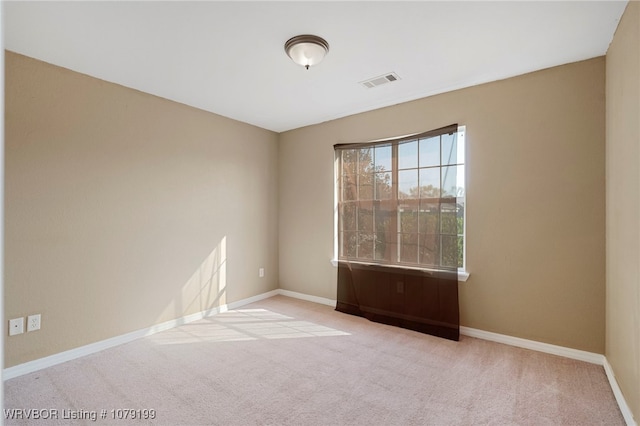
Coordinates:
<point>306,49</point>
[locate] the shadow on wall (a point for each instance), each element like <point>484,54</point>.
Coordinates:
<point>205,289</point>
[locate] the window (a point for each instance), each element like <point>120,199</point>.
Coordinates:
<point>402,201</point>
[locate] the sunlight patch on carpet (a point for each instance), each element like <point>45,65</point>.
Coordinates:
<point>242,325</point>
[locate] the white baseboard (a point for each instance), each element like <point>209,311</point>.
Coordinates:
<point>622,403</point>
<point>307,297</point>
<point>39,364</point>
<point>577,354</point>
<point>49,361</point>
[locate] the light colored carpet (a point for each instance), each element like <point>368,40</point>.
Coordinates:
<point>283,361</point>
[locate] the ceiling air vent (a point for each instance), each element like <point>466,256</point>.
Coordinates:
<point>379,81</point>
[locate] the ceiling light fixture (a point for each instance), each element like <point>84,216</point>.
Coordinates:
<point>306,50</point>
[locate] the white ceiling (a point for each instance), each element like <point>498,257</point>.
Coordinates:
<point>228,57</point>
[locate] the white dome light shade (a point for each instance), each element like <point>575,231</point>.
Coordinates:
<point>306,50</point>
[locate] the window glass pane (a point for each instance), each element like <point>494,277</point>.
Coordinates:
<point>384,233</point>
<point>383,220</point>
<point>430,182</point>
<point>429,249</point>
<point>408,155</point>
<point>430,152</point>
<point>349,161</point>
<point>460,217</point>
<point>348,217</point>
<point>429,218</point>
<point>408,184</point>
<point>348,244</point>
<point>408,219</point>
<point>450,185</point>
<point>383,248</point>
<point>449,149</point>
<point>365,245</point>
<point>383,158</point>
<point>449,219</point>
<point>383,186</point>
<point>365,164</point>
<point>460,181</point>
<point>365,220</point>
<point>349,188</point>
<point>365,187</point>
<point>460,251</point>
<point>450,251</point>
<point>409,248</point>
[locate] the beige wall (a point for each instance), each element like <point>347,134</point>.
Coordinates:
<point>124,210</point>
<point>623,206</point>
<point>535,200</point>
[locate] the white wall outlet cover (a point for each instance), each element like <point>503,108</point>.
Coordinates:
<point>33,322</point>
<point>16,326</point>
<point>261,272</point>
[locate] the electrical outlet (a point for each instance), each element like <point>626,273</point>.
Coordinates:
<point>16,326</point>
<point>33,322</point>
<point>261,272</point>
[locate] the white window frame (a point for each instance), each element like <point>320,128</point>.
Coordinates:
<point>463,274</point>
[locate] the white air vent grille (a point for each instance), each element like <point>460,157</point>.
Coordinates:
<point>379,81</point>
